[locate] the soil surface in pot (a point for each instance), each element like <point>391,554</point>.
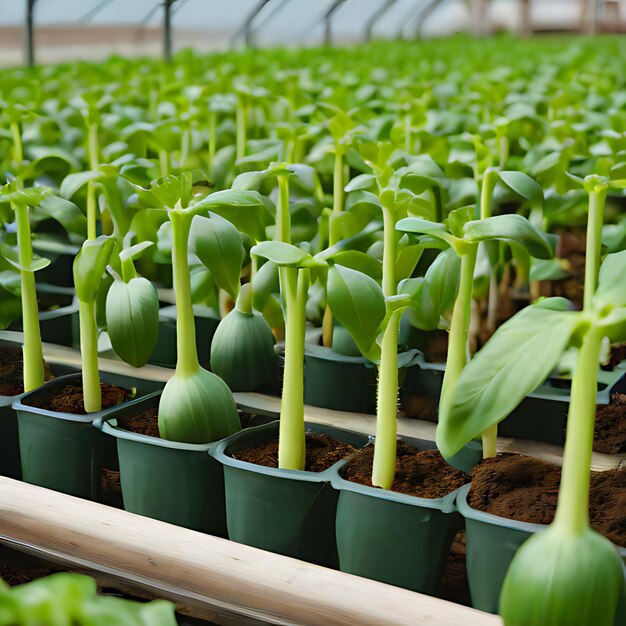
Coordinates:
<point>610,434</point>
<point>421,473</point>
<point>526,489</point>
<point>322,452</point>
<point>146,423</point>
<point>69,399</point>
<point>12,372</point>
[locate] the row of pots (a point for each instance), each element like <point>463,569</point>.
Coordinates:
<point>317,517</point>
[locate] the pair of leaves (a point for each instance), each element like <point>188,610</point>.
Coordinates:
<point>90,265</point>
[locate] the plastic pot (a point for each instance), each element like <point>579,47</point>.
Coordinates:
<point>9,438</point>
<point>358,375</point>
<point>62,451</point>
<point>165,350</point>
<point>393,537</point>
<point>492,542</point>
<point>541,416</point>
<point>284,511</point>
<point>173,482</point>
<point>58,325</point>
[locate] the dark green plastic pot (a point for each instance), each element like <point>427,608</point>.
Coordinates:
<point>541,416</point>
<point>492,542</point>
<point>165,350</point>
<point>323,367</point>
<point>173,482</point>
<point>393,537</point>
<point>284,511</point>
<point>63,451</point>
<point>58,325</point>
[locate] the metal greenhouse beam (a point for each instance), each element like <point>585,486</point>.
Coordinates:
<point>424,14</point>
<point>371,21</point>
<point>269,17</point>
<point>167,29</point>
<point>245,30</point>
<point>408,18</point>
<point>30,36</point>
<point>328,21</point>
<point>87,17</point>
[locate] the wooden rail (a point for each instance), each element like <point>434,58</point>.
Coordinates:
<point>221,576</point>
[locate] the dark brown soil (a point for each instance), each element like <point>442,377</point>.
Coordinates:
<point>111,488</point>
<point>610,434</point>
<point>526,489</point>
<point>69,399</point>
<point>12,372</point>
<point>571,246</point>
<point>146,423</point>
<point>436,348</point>
<point>418,473</point>
<point>322,452</point>
<point>454,586</point>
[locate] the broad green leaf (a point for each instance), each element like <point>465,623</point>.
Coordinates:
<point>359,261</point>
<point>523,185</point>
<point>264,284</point>
<point>246,210</point>
<point>361,182</point>
<point>12,255</point>
<point>89,266</point>
<point>73,182</point>
<point>358,304</point>
<point>282,254</point>
<point>459,217</point>
<point>513,363</point>
<point>31,196</point>
<point>407,260</point>
<point>419,226</point>
<point>513,228</point>
<point>66,213</point>
<point>134,252</point>
<point>252,181</point>
<point>217,243</point>
<point>548,269</point>
<point>611,282</point>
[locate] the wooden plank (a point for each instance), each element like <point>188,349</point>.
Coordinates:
<point>217,572</point>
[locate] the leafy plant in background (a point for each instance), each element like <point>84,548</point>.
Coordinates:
<point>71,600</point>
<point>464,234</point>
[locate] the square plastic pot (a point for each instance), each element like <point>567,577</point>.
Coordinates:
<point>541,416</point>
<point>393,537</point>
<point>492,542</point>
<point>173,482</point>
<point>284,511</point>
<point>10,465</point>
<point>206,321</point>
<point>63,451</point>
<point>59,325</point>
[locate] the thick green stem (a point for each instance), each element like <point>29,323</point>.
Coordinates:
<point>212,138</point>
<point>185,142</point>
<point>164,162</point>
<point>283,217</point>
<point>94,147</point>
<point>89,356</point>
<point>408,134</point>
<point>459,329</point>
<point>128,270</point>
<point>187,354</point>
<point>384,466</point>
<point>18,150</point>
<point>490,440</point>
<point>338,184</point>
<point>390,253</point>
<point>573,506</point>
<point>486,193</point>
<point>594,243</point>
<point>291,443</point>
<point>92,210</point>
<point>33,353</point>
<point>242,130</point>
<point>504,150</point>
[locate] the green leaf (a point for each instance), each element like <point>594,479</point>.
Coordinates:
<point>523,185</point>
<point>548,269</point>
<point>361,182</point>
<point>134,252</point>
<point>407,260</point>
<point>217,243</point>
<point>73,182</point>
<point>611,282</point>
<point>459,217</point>
<point>12,255</point>
<point>31,196</point>
<point>246,210</point>
<point>419,226</point>
<point>282,254</point>
<point>264,284</point>
<point>358,304</point>
<point>511,228</point>
<point>360,261</point>
<point>90,265</point>
<point>66,213</point>
<point>252,181</point>
<point>513,363</point>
